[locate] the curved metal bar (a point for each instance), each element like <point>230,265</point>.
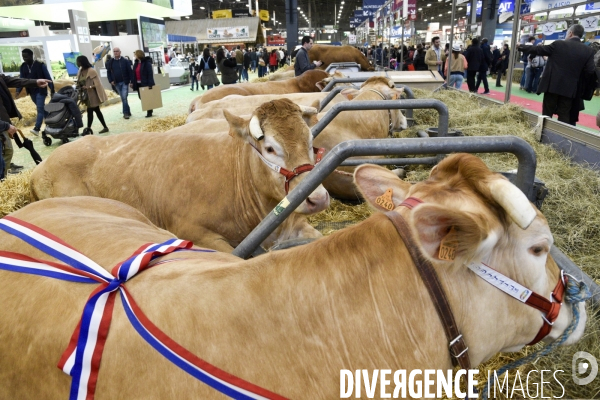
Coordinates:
<point>440,107</point>
<point>391,161</point>
<point>509,144</point>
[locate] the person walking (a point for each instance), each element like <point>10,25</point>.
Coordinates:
<point>474,57</point>
<point>239,59</point>
<point>194,72</point>
<point>228,68</point>
<point>8,110</point>
<point>419,59</point>
<point>303,63</point>
<point>120,75</point>
<point>495,57</point>
<point>536,66</point>
<point>33,69</point>
<point>457,64</point>
<point>568,61</point>
<point>253,59</point>
<point>502,65</point>
<point>484,67</point>
<point>143,74</point>
<point>273,61</point>
<point>435,57</point>
<point>247,63</point>
<point>208,66</point>
<point>88,80</point>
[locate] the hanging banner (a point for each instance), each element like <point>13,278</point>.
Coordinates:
<point>545,5</point>
<point>233,32</point>
<point>372,5</point>
<point>264,15</point>
<point>351,39</point>
<point>590,24</point>
<point>240,13</point>
<point>397,32</point>
<point>217,14</point>
<point>412,8</point>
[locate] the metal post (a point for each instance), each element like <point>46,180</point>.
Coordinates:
<point>402,43</point>
<point>508,144</point>
<point>448,59</point>
<point>513,50</point>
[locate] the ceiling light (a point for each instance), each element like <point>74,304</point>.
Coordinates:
<point>425,20</point>
<point>420,9</point>
<point>449,12</point>
<point>428,4</point>
<point>202,8</point>
<point>342,2</point>
<point>298,8</point>
<point>188,17</point>
<point>440,15</point>
<point>460,8</point>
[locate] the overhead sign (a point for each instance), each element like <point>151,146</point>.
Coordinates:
<point>544,5</point>
<point>351,39</point>
<point>222,14</point>
<point>548,28</point>
<point>232,32</point>
<point>590,24</point>
<point>240,13</point>
<point>81,28</point>
<point>264,15</point>
<point>15,24</point>
<point>412,8</point>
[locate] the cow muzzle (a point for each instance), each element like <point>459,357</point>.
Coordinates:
<point>317,201</point>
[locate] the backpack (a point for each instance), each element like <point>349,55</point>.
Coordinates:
<point>537,62</point>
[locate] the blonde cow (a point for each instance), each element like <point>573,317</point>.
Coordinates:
<point>290,321</point>
<point>212,189</point>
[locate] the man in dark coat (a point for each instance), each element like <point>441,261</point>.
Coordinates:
<point>567,60</point>
<point>8,110</point>
<point>120,76</point>
<point>483,68</point>
<point>475,60</point>
<point>303,63</point>
<point>32,69</point>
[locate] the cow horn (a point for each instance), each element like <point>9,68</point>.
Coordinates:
<point>513,201</point>
<point>391,84</point>
<point>308,110</point>
<point>255,129</point>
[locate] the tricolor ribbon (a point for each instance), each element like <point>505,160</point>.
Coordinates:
<point>82,357</point>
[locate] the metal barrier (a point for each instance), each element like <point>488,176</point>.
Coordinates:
<point>408,104</point>
<point>510,144</point>
<point>335,91</point>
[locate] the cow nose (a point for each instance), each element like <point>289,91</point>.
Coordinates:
<point>318,200</point>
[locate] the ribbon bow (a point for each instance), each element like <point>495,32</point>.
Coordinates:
<point>82,357</point>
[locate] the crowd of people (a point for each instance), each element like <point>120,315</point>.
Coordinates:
<point>233,65</point>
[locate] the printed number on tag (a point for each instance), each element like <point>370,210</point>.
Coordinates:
<point>385,200</point>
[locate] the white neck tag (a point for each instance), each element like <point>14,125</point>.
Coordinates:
<point>500,281</point>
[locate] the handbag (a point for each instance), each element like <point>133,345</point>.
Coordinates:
<point>261,62</point>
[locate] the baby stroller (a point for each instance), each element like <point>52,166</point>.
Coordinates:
<point>63,117</point>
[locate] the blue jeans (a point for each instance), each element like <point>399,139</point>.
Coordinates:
<point>253,65</point>
<point>523,79</point>
<point>240,68</point>
<point>39,100</point>
<point>456,80</point>
<point>123,90</point>
<point>245,74</point>
<point>533,79</point>
<point>194,79</point>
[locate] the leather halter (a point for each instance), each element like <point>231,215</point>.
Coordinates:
<point>458,348</point>
<point>289,175</point>
<point>391,125</point>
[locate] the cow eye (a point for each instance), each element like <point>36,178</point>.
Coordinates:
<point>537,250</point>
<point>270,150</point>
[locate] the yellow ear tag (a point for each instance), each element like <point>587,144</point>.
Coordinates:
<point>448,246</point>
<point>385,200</point>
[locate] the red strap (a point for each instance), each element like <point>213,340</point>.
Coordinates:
<point>550,308</point>
<point>411,202</point>
<point>289,175</point>
<point>319,153</point>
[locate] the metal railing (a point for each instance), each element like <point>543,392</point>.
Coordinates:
<point>507,144</point>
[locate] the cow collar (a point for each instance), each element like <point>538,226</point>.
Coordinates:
<point>549,308</point>
<point>289,175</point>
<point>391,125</point>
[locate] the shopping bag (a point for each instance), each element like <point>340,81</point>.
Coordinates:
<point>151,98</point>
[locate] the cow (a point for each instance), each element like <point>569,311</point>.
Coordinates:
<point>212,189</point>
<point>243,105</point>
<point>289,321</point>
<point>348,125</point>
<point>304,83</point>
<point>336,54</point>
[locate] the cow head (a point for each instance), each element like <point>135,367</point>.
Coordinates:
<point>379,88</point>
<point>486,219</point>
<point>278,130</point>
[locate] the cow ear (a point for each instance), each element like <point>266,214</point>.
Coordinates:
<point>374,181</point>
<point>309,115</point>
<point>447,235</point>
<point>238,127</point>
<point>321,84</point>
<point>350,93</point>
